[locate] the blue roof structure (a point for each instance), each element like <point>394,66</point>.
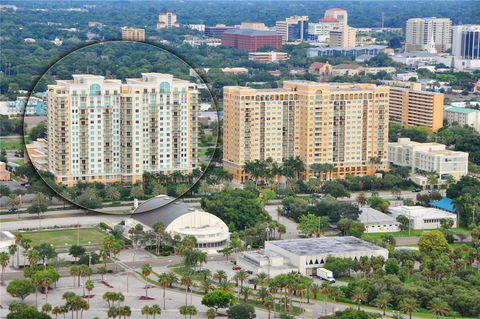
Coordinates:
<point>445,204</point>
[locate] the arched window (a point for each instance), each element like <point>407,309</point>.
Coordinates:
<point>164,87</point>
<point>95,89</point>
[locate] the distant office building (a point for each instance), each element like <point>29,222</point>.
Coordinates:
<point>294,28</point>
<point>338,14</point>
<point>319,32</point>
<point>421,32</point>
<point>428,157</point>
<point>167,19</point>
<point>254,25</point>
<point>372,50</point>
<point>462,116</point>
<point>344,37</point>
<point>267,57</point>
<point>27,106</point>
<point>103,130</point>
<point>133,34</point>
<point>466,46</point>
<point>342,124</point>
<point>414,107</point>
<point>251,40</point>
<point>216,31</point>
<point>423,217</point>
<point>198,27</point>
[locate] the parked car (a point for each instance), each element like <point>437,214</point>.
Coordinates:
<point>236,268</point>
<point>416,190</point>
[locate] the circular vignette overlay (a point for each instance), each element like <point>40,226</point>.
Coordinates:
<point>123,122</point>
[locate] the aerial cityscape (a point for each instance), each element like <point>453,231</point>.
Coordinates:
<point>247,159</point>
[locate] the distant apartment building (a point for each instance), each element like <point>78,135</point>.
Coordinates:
<point>420,32</point>
<point>319,32</point>
<point>466,46</point>
<point>414,107</point>
<point>133,34</point>
<point>292,29</point>
<point>428,157</point>
<point>267,57</point>
<point>103,130</point>
<point>254,25</point>
<point>345,125</point>
<point>370,50</point>
<point>167,19</point>
<point>344,37</point>
<point>462,116</point>
<point>198,27</point>
<point>216,31</point>
<point>251,40</point>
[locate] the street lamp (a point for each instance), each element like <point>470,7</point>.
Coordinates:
<point>89,256</point>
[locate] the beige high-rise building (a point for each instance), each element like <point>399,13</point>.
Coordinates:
<point>338,14</point>
<point>343,37</point>
<point>133,34</point>
<point>414,107</point>
<point>254,25</point>
<point>345,125</point>
<point>294,28</point>
<point>421,32</point>
<point>102,130</point>
<point>167,19</point>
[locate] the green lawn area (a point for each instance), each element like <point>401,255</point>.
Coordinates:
<point>412,233</point>
<point>69,236</point>
<point>11,143</point>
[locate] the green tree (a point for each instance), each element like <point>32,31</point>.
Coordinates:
<point>20,288</point>
<point>408,305</point>
<point>76,251</point>
<point>188,310</point>
<point>4,260</point>
<point>383,300</point>
<point>218,299</point>
<point>241,311</point>
<point>433,242</point>
<point>311,225</point>
<point>438,307</point>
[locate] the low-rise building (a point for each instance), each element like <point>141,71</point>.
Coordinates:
<point>235,70</point>
<point>428,157</point>
<point>372,50</point>
<point>462,116</point>
<point>37,154</point>
<point>6,239</point>
<point>251,40</point>
<point>377,222</point>
<point>423,217</point>
<point>320,69</point>
<point>267,57</point>
<point>198,27</point>
<point>345,69</point>
<point>180,218</point>
<point>308,254</point>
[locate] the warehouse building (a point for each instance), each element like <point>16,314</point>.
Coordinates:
<point>306,255</point>
<point>377,222</point>
<point>423,217</point>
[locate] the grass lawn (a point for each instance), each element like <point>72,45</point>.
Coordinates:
<point>11,143</point>
<point>413,233</point>
<point>61,236</point>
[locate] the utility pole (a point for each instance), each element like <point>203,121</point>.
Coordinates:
<point>383,20</point>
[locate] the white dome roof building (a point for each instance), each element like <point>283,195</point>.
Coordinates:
<point>180,218</point>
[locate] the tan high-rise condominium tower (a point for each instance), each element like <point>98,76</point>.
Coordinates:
<point>102,130</point>
<point>345,125</point>
<point>421,32</point>
<point>167,19</point>
<point>133,34</point>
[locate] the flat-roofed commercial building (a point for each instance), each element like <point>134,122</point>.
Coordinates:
<point>345,125</point>
<point>414,107</point>
<point>377,222</point>
<point>309,254</point>
<point>267,57</point>
<point>343,37</point>
<point>133,34</point>
<point>103,130</point>
<point>423,217</point>
<point>251,40</point>
<point>428,157</point>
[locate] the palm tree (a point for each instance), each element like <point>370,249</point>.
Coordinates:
<point>12,250</point>
<point>438,307</point>
<point>220,276</point>
<point>26,244</point>
<point>155,310</point>
<point>211,313</point>
<point>336,294</point>
<point>89,286</point>
<point>383,300</point>
<point>166,280</point>
<point>146,311</point>
<point>245,292</point>
<point>18,240</point>
<point>408,305</point>
<point>146,271</point>
<point>359,295</point>
<point>241,276</point>
<point>315,289</point>
<point>326,287</point>
<point>262,294</point>
<point>269,302</point>
<point>188,310</point>
<point>206,285</point>
<point>226,286</point>
<point>13,201</point>
<point>187,281</point>
<point>33,257</point>
<point>4,259</point>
